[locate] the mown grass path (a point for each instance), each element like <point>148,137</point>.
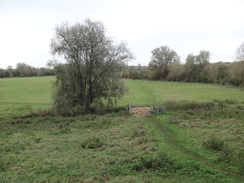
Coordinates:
<point>173,142</point>
<point>139,94</point>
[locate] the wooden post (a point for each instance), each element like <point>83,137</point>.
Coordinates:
<point>129,107</point>
<point>164,109</point>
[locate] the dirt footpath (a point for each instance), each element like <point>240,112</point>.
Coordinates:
<point>141,111</point>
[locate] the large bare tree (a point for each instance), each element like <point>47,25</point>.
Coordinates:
<point>89,78</point>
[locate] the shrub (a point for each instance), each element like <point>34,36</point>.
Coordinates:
<point>214,143</point>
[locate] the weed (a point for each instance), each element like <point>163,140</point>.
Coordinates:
<point>160,162</point>
<point>226,101</point>
<point>189,105</point>
<point>214,143</point>
<point>174,120</point>
<point>229,156</point>
<point>92,143</point>
<point>65,130</point>
<point>240,107</point>
<point>37,140</point>
<point>138,131</point>
<point>226,154</point>
<point>3,165</point>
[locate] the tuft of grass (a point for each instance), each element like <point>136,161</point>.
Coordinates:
<point>160,162</point>
<point>225,101</point>
<point>214,143</point>
<point>92,143</point>
<point>174,120</point>
<point>3,165</point>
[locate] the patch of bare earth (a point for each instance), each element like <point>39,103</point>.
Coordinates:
<point>141,111</point>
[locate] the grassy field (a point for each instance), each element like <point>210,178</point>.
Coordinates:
<point>21,95</point>
<point>198,139</point>
<point>147,93</point>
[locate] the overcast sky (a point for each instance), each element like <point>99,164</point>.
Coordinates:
<point>186,26</point>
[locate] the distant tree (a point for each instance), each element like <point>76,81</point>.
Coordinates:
<point>133,72</point>
<point>240,52</point>
<point>10,68</point>
<point>23,69</point>
<point>236,73</point>
<point>22,66</point>
<point>189,69</point>
<point>16,73</point>
<point>202,59</point>
<point>2,73</point>
<point>125,72</point>
<point>194,69</point>
<point>143,72</point>
<point>90,76</point>
<point>175,71</point>
<point>162,57</point>
<point>203,62</point>
<point>212,73</point>
<point>9,71</point>
<point>139,71</point>
<point>222,74</point>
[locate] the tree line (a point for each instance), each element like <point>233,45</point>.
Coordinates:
<point>165,65</point>
<point>25,70</point>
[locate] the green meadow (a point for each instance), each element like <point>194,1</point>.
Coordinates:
<point>147,93</point>
<point>199,138</point>
<point>19,96</point>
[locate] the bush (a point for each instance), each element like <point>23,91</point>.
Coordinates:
<point>214,143</point>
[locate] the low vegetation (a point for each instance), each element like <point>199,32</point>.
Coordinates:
<point>199,138</point>
<point>212,133</point>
